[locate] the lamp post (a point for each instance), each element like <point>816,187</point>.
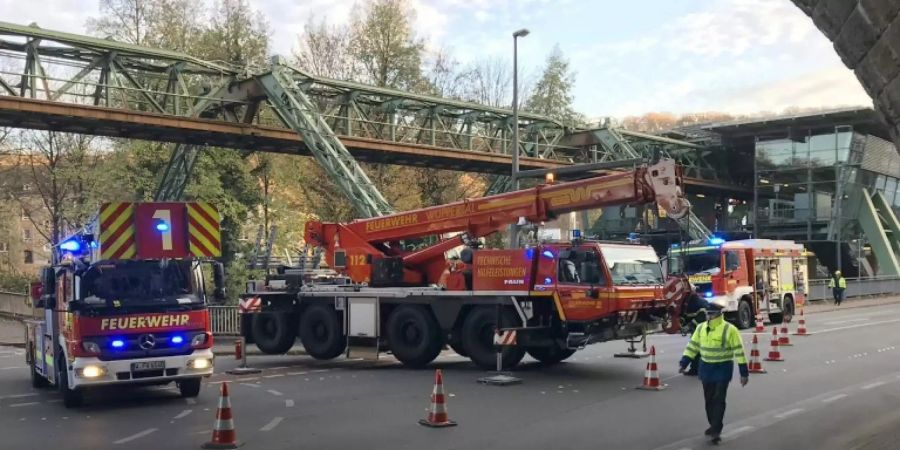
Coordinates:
<point>514,229</point>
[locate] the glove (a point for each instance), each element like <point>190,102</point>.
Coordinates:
<point>744,381</point>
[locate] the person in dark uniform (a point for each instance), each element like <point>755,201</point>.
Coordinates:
<point>695,312</point>
<point>718,344</point>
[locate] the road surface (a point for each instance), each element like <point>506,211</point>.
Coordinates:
<point>837,389</point>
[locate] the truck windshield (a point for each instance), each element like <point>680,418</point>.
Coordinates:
<point>139,282</point>
<point>632,265</point>
<point>692,261</point>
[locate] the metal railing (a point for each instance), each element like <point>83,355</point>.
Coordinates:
<point>225,320</point>
<point>856,287</point>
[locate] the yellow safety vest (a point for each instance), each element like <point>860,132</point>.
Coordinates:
<point>842,282</point>
<point>717,341</point>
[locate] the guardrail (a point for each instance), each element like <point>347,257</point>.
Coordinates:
<point>857,287</point>
<point>225,320</point>
<point>13,304</point>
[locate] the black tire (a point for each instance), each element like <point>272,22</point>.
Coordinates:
<point>414,335</point>
<point>274,333</point>
<point>321,332</point>
<point>478,338</point>
<point>744,318</point>
<point>550,355</point>
<point>189,387</point>
<point>72,398</point>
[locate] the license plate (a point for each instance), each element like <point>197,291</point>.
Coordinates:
<point>148,365</point>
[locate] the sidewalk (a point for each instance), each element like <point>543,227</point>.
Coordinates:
<point>852,303</point>
<point>224,346</point>
<point>12,332</point>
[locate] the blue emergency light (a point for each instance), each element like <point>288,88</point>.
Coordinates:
<point>72,245</point>
<point>177,339</point>
<point>708,294</point>
<point>162,227</point>
<point>547,254</point>
<point>716,241</point>
<point>117,343</point>
<point>548,280</point>
<point>576,234</point>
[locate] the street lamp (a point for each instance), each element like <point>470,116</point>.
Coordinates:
<point>514,229</point>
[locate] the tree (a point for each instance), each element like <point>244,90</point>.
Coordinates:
<point>489,82</point>
<point>325,51</point>
<point>383,41</point>
<point>552,94</point>
<point>237,34</point>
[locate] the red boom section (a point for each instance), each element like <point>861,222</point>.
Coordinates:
<point>354,245</point>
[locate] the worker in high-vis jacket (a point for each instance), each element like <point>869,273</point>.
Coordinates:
<point>719,345</point>
<point>838,285</point>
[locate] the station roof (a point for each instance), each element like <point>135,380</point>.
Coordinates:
<point>864,120</point>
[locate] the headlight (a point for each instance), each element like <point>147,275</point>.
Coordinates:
<point>198,340</point>
<point>90,347</point>
<point>200,364</point>
<point>92,371</point>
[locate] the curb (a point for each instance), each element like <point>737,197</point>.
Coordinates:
<point>850,305</point>
<point>230,352</point>
<point>12,344</point>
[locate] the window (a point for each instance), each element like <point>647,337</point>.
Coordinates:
<point>632,265</point>
<point>732,261</point>
<point>26,234</point>
<point>580,267</point>
<point>4,247</point>
<point>29,257</point>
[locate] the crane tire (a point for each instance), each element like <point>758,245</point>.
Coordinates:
<point>274,333</point>
<point>414,335</point>
<point>321,332</point>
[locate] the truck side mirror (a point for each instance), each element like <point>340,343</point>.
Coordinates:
<point>218,282</point>
<point>47,298</point>
<point>37,291</point>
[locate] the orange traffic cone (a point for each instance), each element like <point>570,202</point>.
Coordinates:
<point>760,325</point>
<point>437,416</point>
<point>223,435</point>
<point>784,340</point>
<point>774,354</point>
<point>755,363</point>
<point>801,326</point>
<point>651,376</point>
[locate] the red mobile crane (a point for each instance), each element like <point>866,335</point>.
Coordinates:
<point>557,297</point>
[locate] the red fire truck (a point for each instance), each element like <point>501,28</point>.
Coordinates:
<point>746,276</point>
<point>126,301</point>
<point>403,286</point>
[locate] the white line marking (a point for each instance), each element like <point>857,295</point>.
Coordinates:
<point>288,403</point>
<point>135,436</point>
<point>321,370</point>
<point>250,385</point>
<point>834,398</point>
<point>736,431</point>
<point>274,392</point>
<point>828,330</point>
<point>13,367</point>
<point>17,405</point>
<point>279,368</point>
<point>838,322</point>
<point>190,401</point>
<point>277,375</point>
<point>32,394</point>
<point>183,414</point>
<point>874,385</point>
<point>789,413</point>
<point>247,379</point>
<point>271,425</point>
<point>296,373</point>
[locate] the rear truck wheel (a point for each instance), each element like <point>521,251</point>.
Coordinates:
<point>273,332</point>
<point>414,335</point>
<point>478,338</point>
<point>550,355</point>
<point>321,332</point>
<point>189,387</point>
<point>744,317</point>
<point>72,398</point>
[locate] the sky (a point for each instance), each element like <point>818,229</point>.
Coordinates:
<point>629,57</point>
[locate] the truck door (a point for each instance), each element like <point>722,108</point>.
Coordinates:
<point>580,280</point>
<point>736,273</point>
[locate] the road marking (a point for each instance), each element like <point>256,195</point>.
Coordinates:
<point>13,367</point>
<point>296,373</point>
<point>190,401</point>
<point>274,392</point>
<point>834,398</point>
<point>183,414</point>
<point>321,370</point>
<point>838,322</point>
<point>828,330</point>
<point>135,436</point>
<point>18,405</point>
<point>277,375</point>
<point>288,403</point>
<point>271,425</point>
<point>247,379</point>
<point>32,394</point>
<point>873,385</point>
<point>789,413</point>
<point>736,431</point>
<point>279,368</point>
<point>250,385</point>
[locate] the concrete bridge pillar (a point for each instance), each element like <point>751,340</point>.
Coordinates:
<point>866,35</point>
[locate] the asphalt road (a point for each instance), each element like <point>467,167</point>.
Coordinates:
<point>838,389</point>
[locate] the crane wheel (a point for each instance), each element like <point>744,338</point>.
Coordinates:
<point>274,333</point>
<point>414,335</point>
<point>321,332</point>
<point>478,338</point>
<point>550,355</point>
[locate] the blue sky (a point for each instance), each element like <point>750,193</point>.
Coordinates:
<point>630,57</point>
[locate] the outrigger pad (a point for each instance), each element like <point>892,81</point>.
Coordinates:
<point>632,354</point>
<point>500,379</point>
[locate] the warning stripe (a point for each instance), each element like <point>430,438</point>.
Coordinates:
<point>117,238</point>
<point>203,230</point>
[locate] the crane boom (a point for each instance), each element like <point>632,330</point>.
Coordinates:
<point>357,245</point>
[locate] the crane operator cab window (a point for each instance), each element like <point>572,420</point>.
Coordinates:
<point>580,267</point>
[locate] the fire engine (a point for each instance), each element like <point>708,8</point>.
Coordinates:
<point>746,277</point>
<point>412,282</point>
<point>126,302</point>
